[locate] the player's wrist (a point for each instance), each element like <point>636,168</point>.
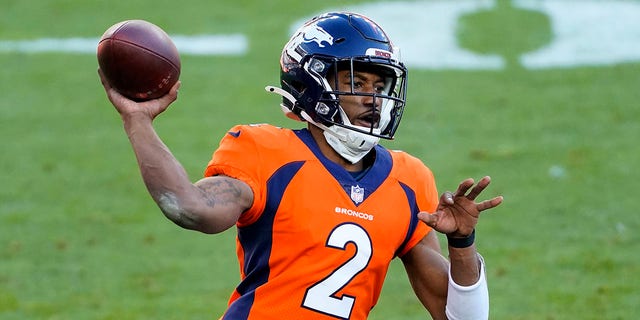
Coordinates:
<point>136,117</point>
<point>461,242</point>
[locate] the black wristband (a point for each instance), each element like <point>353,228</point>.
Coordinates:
<point>462,242</point>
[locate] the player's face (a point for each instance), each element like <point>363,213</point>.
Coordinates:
<point>362,110</point>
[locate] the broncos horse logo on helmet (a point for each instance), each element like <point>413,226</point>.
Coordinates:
<point>322,46</point>
<point>315,34</point>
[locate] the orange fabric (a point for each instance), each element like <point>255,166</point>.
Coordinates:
<point>316,244</point>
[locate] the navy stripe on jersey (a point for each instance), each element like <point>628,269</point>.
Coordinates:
<point>256,240</point>
<point>411,198</point>
<point>370,181</point>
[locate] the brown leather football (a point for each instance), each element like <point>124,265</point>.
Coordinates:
<point>139,59</point>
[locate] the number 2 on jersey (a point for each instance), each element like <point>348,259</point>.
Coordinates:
<point>321,296</point>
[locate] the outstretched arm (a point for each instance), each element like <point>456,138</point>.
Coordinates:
<point>210,205</point>
<point>456,288</point>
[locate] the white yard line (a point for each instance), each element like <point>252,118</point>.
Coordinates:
<point>235,44</point>
<point>585,33</point>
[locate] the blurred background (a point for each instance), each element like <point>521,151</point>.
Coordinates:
<point>540,95</point>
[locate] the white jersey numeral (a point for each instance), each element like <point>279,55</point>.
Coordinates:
<point>321,296</point>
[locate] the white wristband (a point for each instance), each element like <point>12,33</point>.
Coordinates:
<point>468,302</point>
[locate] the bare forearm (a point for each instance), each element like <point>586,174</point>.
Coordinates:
<point>210,205</point>
<point>465,266</point>
<point>165,178</point>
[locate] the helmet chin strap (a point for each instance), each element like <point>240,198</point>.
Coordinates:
<point>349,144</point>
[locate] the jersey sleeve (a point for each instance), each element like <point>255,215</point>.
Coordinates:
<point>426,197</point>
<point>428,192</point>
<point>236,157</point>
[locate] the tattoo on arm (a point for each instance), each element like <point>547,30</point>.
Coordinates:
<point>220,198</point>
<point>221,191</point>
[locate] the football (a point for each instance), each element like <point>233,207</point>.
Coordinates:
<point>139,59</point>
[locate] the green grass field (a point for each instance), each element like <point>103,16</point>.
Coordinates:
<point>81,239</point>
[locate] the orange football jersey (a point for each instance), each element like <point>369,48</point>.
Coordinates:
<point>317,242</point>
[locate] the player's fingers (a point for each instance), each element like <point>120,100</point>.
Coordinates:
<point>170,97</point>
<point>488,204</point>
<point>428,218</point>
<point>103,80</point>
<point>112,94</point>
<point>477,189</point>
<point>447,198</point>
<point>176,86</point>
<point>464,186</point>
<point>174,90</point>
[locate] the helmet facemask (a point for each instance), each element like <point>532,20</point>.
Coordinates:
<point>351,140</point>
<point>387,102</point>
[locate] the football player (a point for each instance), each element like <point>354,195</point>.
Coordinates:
<point>321,211</point>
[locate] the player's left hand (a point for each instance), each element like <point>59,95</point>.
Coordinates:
<point>457,213</point>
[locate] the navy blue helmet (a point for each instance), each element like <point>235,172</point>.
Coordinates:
<point>338,41</point>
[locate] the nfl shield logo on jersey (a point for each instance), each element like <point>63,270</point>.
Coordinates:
<point>357,194</point>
